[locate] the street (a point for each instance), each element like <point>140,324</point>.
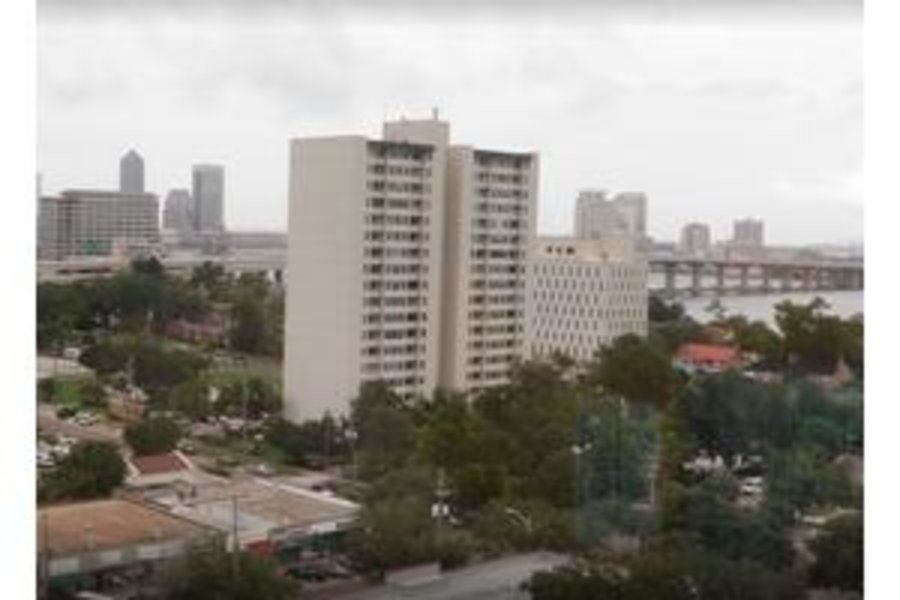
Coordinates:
<point>499,579</point>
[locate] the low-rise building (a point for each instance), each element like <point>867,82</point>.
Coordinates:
<point>113,544</point>
<point>273,516</point>
<point>160,470</point>
<point>707,358</point>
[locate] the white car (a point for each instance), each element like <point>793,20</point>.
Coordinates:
<point>752,486</point>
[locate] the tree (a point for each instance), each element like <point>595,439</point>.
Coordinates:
<point>91,394</point>
<point>191,398</point>
<point>148,266</point>
<point>106,357</point>
<point>209,276</point>
<point>257,395</point>
<point>384,429</point>
<point>91,470</point>
<point>394,532</point>
<point>613,452</point>
<point>248,331</point>
<point>635,369</point>
<point>158,369</point>
<point>757,337</point>
<point>804,478</point>
<point>659,311</point>
<point>47,390</point>
<point>156,435</point>
<point>814,340</point>
<point>208,574</point>
<point>839,554</point>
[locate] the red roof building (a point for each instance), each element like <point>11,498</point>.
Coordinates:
<point>707,357</point>
<point>159,463</point>
<point>159,469</point>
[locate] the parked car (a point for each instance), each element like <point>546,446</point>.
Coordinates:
<point>752,486</point>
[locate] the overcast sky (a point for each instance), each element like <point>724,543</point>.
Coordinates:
<point>754,109</point>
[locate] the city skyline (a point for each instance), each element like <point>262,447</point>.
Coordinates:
<point>714,116</point>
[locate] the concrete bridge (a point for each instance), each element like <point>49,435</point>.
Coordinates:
<point>680,276</point>
<point>687,276</point>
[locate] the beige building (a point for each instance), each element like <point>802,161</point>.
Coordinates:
<point>597,214</point>
<point>586,293</point>
<point>96,223</point>
<point>406,263</point>
<point>695,239</point>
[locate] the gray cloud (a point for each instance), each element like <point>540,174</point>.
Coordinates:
<point>713,121</point>
<point>509,8</point>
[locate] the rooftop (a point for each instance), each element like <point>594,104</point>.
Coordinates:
<point>106,524</point>
<point>263,505</point>
<point>708,353</point>
<point>159,463</point>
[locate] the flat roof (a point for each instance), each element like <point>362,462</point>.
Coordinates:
<point>155,464</point>
<point>263,506</point>
<point>106,524</point>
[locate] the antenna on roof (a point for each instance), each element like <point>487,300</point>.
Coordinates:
<point>434,113</point>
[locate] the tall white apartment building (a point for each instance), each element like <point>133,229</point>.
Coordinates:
<point>585,294</point>
<point>96,223</point>
<point>406,263</point>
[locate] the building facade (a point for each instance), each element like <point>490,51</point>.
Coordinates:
<point>80,223</point>
<point>208,192</point>
<point>598,215</point>
<point>695,239</point>
<point>131,173</point>
<point>406,264</point>
<point>586,293</point>
<point>748,232</point>
<point>491,223</point>
<point>178,214</point>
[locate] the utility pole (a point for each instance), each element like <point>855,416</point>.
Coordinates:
<point>441,492</point>
<point>235,543</point>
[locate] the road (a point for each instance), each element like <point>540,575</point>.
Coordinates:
<point>494,580</point>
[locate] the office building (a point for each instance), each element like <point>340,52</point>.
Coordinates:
<point>131,173</point>
<point>97,223</point>
<point>598,215</point>
<point>585,294</point>
<point>695,239</point>
<point>208,192</point>
<point>178,213</point>
<point>748,232</point>
<point>406,264</point>
<point>633,207</point>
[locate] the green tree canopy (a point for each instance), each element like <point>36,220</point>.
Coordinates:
<point>91,470</point>
<point>839,554</point>
<point>208,574</point>
<point>155,435</point>
<point>636,369</point>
